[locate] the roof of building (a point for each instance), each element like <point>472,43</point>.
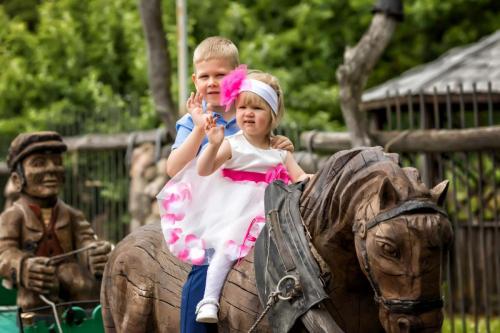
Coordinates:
<point>477,63</point>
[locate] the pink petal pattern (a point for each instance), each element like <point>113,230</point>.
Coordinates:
<point>172,235</point>
<point>234,251</point>
<point>189,249</point>
<point>174,203</point>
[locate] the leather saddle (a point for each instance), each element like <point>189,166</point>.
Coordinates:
<point>282,252</point>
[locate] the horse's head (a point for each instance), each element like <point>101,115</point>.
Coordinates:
<point>370,219</point>
<point>401,238</point>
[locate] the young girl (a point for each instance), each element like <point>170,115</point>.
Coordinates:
<point>217,219</point>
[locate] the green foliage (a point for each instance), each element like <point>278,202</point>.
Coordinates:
<point>302,43</point>
<point>458,325</point>
<point>82,64</point>
<point>69,61</point>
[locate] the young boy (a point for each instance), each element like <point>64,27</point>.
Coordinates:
<point>213,58</point>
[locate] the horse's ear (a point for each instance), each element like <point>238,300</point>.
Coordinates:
<point>388,196</point>
<point>439,192</point>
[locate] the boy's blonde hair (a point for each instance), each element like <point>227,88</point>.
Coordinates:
<point>219,48</point>
<point>252,98</point>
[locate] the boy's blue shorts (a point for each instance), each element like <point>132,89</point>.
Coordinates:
<point>192,293</point>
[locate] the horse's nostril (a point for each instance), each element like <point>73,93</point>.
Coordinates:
<point>404,325</point>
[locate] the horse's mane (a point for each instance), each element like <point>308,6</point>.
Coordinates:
<point>326,198</point>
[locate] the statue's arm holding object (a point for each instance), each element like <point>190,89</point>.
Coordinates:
<point>20,267</point>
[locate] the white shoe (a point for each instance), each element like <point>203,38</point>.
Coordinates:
<point>206,311</point>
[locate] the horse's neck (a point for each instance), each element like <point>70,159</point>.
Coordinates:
<point>328,215</point>
<point>331,232</point>
<point>329,218</point>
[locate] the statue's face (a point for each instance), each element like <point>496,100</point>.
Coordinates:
<point>44,174</point>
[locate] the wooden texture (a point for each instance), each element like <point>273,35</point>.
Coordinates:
<point>142,282</point>
<point>92,142</point>
<point>318,321</point>
<point>352,75</point>
<point>143,288</point>
<point>424,141</point>
<point>159,64</point>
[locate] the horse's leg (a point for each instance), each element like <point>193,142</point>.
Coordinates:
<point>126,295</point>
<point>142,285</point>
<point>171,275</point>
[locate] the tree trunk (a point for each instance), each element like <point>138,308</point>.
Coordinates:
<point>159,65</point>
<point>353,74</point>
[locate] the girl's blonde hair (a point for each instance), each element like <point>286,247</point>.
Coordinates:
<point>252,98</point>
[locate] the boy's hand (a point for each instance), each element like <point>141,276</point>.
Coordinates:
<point>195,109</point>
<point>282,142</point>
<point>215,134</point>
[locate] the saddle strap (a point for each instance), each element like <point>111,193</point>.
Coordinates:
<point>280,242</point>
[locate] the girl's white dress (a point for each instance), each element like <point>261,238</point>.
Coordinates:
<point>223,211</point>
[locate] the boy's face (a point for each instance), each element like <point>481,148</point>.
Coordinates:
<point>207,77</point>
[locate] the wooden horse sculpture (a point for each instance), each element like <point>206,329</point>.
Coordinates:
<point>376,226</point>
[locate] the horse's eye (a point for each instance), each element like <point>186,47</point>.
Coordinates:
<point>389,250</point>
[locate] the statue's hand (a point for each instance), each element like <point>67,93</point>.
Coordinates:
<point>38,275</point>
<point>98,257</point>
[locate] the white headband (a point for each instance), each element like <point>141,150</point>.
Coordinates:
<point>262,89</point>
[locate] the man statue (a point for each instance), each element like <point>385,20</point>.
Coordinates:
<point>39,229</point>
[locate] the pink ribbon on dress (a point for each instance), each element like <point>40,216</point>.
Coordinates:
<point>278,172</point>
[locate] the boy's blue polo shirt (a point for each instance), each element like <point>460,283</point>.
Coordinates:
<point>185,125</point>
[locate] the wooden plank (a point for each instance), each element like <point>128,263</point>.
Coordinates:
<point>96,142</point>
<point>423,141</point>
<point>112,141</point>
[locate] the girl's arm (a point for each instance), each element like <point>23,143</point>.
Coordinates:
<point>294,170</point>
<point>217,151</point>
<point>181,156</point>
<point>213,157</point>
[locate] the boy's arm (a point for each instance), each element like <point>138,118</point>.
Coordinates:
<point>190,146</point>
<point>294,170</point>
<point>282,142</point>
<point>213,157</point>
<point>182,155</point>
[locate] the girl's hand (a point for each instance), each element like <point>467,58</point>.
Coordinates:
<point>195,109</point>
<point>282,142</point>
<point>305,176</point>
<point>215,134</point>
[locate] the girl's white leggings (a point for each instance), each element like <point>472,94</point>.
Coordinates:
<point>216,275</point>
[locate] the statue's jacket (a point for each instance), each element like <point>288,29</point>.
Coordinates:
<point>23,235</point>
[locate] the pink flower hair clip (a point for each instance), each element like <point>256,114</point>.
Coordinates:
<point>231,85</point>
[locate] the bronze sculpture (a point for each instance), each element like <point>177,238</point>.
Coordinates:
<point>39,230</point>
<point>402,252</point>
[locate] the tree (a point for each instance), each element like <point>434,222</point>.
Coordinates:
<point>359,63</point>
<point>83,64</point>
<point>160,69</point>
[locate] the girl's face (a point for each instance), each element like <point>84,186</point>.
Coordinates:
<point>253,115</point>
